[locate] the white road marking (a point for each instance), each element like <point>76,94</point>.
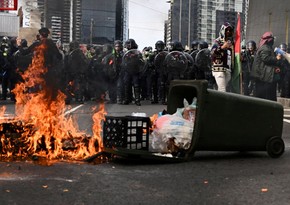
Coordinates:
<point>285,120</point>
<point>73,109</point>
<point>8,116</point>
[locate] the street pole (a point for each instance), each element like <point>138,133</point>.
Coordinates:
<point>270,21</point>
<point>287,28</point>
<point>180,18</point>
<point>189,18</point>
<point>91,31</point>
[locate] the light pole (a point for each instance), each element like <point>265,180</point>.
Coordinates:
<point>189,18</point>
<point>180,20</point>
<point>91,30</point>
<point>270,20</point>
<point>287,27</point>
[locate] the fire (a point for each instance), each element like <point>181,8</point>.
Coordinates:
<point>41,126</point>
<point>153,119</point>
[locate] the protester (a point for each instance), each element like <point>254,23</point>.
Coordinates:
<point>266,71</point>
<point>222,57</point>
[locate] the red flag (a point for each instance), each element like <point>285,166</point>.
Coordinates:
<point>238,36</point>
<point>237,69</point>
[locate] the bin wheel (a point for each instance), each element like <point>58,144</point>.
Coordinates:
<point>275,147</point>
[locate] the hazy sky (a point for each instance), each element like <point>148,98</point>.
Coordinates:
<point>146,21</point>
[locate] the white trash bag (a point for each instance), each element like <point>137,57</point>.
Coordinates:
<point>173,133</point>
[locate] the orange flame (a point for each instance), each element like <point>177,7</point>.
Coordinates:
<point>153,119</point>
<point>47,131</point>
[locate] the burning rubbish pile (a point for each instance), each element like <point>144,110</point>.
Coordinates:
<point>40,127</point>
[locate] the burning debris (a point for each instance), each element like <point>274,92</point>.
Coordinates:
<point>40,127</point>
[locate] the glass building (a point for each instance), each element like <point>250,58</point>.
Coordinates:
<point>201,19</point>
<point>87,21</point>
<point>104,21</point>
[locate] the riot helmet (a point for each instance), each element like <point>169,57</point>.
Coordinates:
<point>202,45</point>
<point>23,43</point>
<point>4,44</point>
<point>194,45</point>
<point>177,46</point>
<point>159,45</point>
<point>251,45</point>
<point>130,44</point>
<point>283,47</point>
<point>44,32</point>
<point>107,48</point>
<point>74,45</point>
<point>5,39</point>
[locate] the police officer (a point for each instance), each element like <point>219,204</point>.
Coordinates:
<point>95,76</point>
<point>159,81</point>
<point>132,64</point>
<point>285,74</point>
<point>148,74</point>
<point>52,58</point>
<point>176,63</point>
<point>113,73</point>
<point>202,64</point>
<point>6,65</point>
<point>247,59</point>
<point>76,65</point>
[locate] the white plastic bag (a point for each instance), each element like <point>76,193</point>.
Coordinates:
<point>172,132</point>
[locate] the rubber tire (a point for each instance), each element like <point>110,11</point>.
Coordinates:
<point>275,147</point>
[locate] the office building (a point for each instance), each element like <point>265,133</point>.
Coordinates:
<point>268,15</point>
<point>201,19</point>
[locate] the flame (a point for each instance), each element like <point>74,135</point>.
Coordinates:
<point>42,126</point>
<point>153,119</point>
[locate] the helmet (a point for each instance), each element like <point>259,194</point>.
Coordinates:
<point>251,45</point>
<point>74,45</point>
<point>202,45</point>
<point>177,46</point>
<point>130,44</point>
<point>23,43</point>
<point>194,45</point>
<point>107,48</point>
<point>159,45</point>
<point>283,47</point>
<point>5,39</point>
<point>44,32</point>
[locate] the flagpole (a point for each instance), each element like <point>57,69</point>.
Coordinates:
<point>236,76</point>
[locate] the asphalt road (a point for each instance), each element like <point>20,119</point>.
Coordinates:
<point>219,178</point>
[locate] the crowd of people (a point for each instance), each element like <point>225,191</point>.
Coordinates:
<point>123,74</point>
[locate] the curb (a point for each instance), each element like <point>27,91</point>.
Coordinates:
<point>284,101</point>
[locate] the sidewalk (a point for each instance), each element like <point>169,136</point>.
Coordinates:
<point>284,101</point>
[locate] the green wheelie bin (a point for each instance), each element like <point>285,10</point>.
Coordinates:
<point>223,122</point>
<point>229,122</point>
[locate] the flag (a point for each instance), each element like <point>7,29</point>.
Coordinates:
<point>237,66</point>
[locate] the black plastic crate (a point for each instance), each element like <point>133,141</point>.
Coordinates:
<point>127,132</point>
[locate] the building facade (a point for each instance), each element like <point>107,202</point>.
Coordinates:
<point>191,20</point>
<point>267,15</point>
<point>86,21</point>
